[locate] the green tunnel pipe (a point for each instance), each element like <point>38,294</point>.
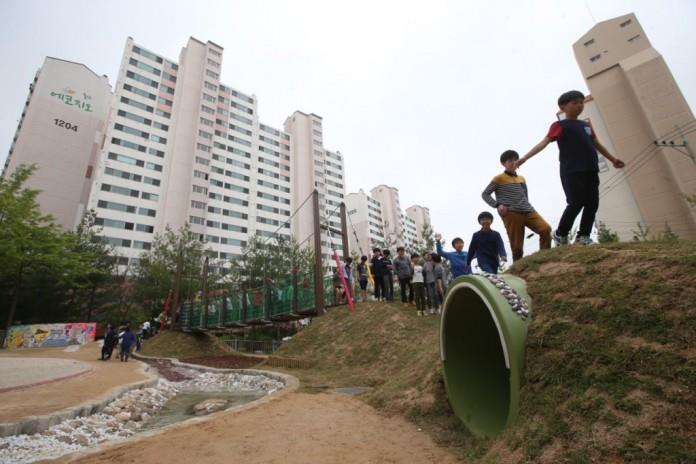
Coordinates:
<point>482,344</point>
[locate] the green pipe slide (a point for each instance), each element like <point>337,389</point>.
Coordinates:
<point>482,339</point>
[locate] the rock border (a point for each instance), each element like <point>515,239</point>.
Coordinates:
<point>291,382</point>
<point>34,424</point>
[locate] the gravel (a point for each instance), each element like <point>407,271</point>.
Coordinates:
<point>126,415</point>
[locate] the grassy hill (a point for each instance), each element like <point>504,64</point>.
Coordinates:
<point>611,362</point>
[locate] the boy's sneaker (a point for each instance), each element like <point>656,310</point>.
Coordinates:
<point>583,240</point>
<point>420,313</point>
<point>559,239</point>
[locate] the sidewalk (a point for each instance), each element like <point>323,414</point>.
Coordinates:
<point>88,379</point>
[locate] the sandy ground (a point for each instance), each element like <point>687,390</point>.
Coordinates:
<point>55,396</point>
<point>295,428</point>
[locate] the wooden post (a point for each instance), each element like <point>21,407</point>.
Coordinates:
<point>318,266</point>
<point>204,293</point>
<point>177,286</point>
<point>344,231</point>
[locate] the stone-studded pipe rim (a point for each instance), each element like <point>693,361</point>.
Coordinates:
<point>518,304</point>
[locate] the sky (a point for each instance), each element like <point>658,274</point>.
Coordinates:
<point>422,96</point>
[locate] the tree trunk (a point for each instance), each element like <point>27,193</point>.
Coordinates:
<point>90,305</point>
<point>13,304</point>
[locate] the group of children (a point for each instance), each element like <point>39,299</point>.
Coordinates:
<point>508,194</point>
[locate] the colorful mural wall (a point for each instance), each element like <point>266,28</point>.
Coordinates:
<point>42,335</point>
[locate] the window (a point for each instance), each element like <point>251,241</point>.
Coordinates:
<point>136,104</point>
<point>241,107</point>
<point>208,110</point>
<point>240,129</point>
<point>202,147</point>
<point>200,174</point>
<point>114,223</point>
<point>141,245</point>
<point>209,98</point>
<point>241,96</point>
<point>199,189</point>
<point>205,135</point>
<point>139,91</point>
<point>147,212</point>
<point>147,54</point>
<point>241,118</point>
<point>118,242</point>
<point>595,58</point>
<point>169,90</point>
<point>134,117</point>
<point>239,140</point>
<point>207,122</point>
<point>116,206</point>
<point>164,114</point>
<point>123,174</point>
<point>202,161</point>
<point>213,63</point>
<point>169,77</point>
<point>160,126</point>
<point>127,144</point>
<point>626,23</point>
<point>151,181</point>
<point>145,67</point>
<point>212,74</point>
<point>589,42</point>
<point>126,159</point>
<point>164,101</point>
<point>143,79</point>
<point>196,220</point>
<point>149,196</point>
<point>637,36</point>
<point>120,190</point>
<point>144,228</point>
<point>132,131</point>
<point>210,86</point>
<point>214,52</point>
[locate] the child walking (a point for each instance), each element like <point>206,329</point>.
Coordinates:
<point>512,202</point>
<point>457,258</point>
<point>362,278</point>
<point>418,284</point>
<point>486,246</point>
<point>578,147</point>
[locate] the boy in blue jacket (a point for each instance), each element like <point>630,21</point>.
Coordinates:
<point>487,246</point>
<point>458,258</point>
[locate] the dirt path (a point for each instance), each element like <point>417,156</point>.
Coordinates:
<point>296,428</point>
<point>61,394</point>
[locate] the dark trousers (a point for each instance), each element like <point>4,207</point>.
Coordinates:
<point>405,282</point>
<point>488,266</point>
<point>582,193</point>
<point>431,291</point>
<point>388,282</point>
<point>107,350</point>
<point>419,290</point>
<point>379,286</point>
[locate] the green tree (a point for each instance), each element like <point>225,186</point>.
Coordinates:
<point>642,234</point>
<point>156,268</point>
<point>30,242</point>
<point>667,234</point>
<point>427,239</point>
<point>606,235</point>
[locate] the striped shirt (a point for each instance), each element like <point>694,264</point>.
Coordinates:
<point>510,190</point>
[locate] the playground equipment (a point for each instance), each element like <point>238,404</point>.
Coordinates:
<point>482,340</point>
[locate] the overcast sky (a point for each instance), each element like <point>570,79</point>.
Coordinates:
<point>423,96</point>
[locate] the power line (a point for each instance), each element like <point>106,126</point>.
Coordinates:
<point>287,222</point>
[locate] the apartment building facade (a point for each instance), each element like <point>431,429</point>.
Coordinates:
<point>639,102</point>
<point>60,131</point>
<point>366,228</point>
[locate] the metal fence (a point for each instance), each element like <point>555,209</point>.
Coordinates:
<point>253,346</point>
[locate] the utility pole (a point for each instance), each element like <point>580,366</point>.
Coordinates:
<point>677,146</point>
<point>344,231</point>
<point>318,265</point>
<point>204,293</point>
<point>177,284</point>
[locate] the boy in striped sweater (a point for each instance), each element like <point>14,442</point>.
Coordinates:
<point>512,202</point>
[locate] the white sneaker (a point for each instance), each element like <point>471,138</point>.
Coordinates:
<point>583,240</point>
<point>559,239</point>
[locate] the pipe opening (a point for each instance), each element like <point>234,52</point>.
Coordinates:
<point>474,364</point>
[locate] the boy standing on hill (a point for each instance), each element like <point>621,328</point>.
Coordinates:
<point>457,258</point>
<point>512,202</point>
<point>578,146</point>
<point>486,246</point>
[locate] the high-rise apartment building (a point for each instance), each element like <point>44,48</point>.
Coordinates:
<point>420,215</point>
<point>639,102</point>
<point>365,227</point>
<point>315,167</point>
<point>182,147</point>
<point>60,131</point>
<point>392,216</point>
